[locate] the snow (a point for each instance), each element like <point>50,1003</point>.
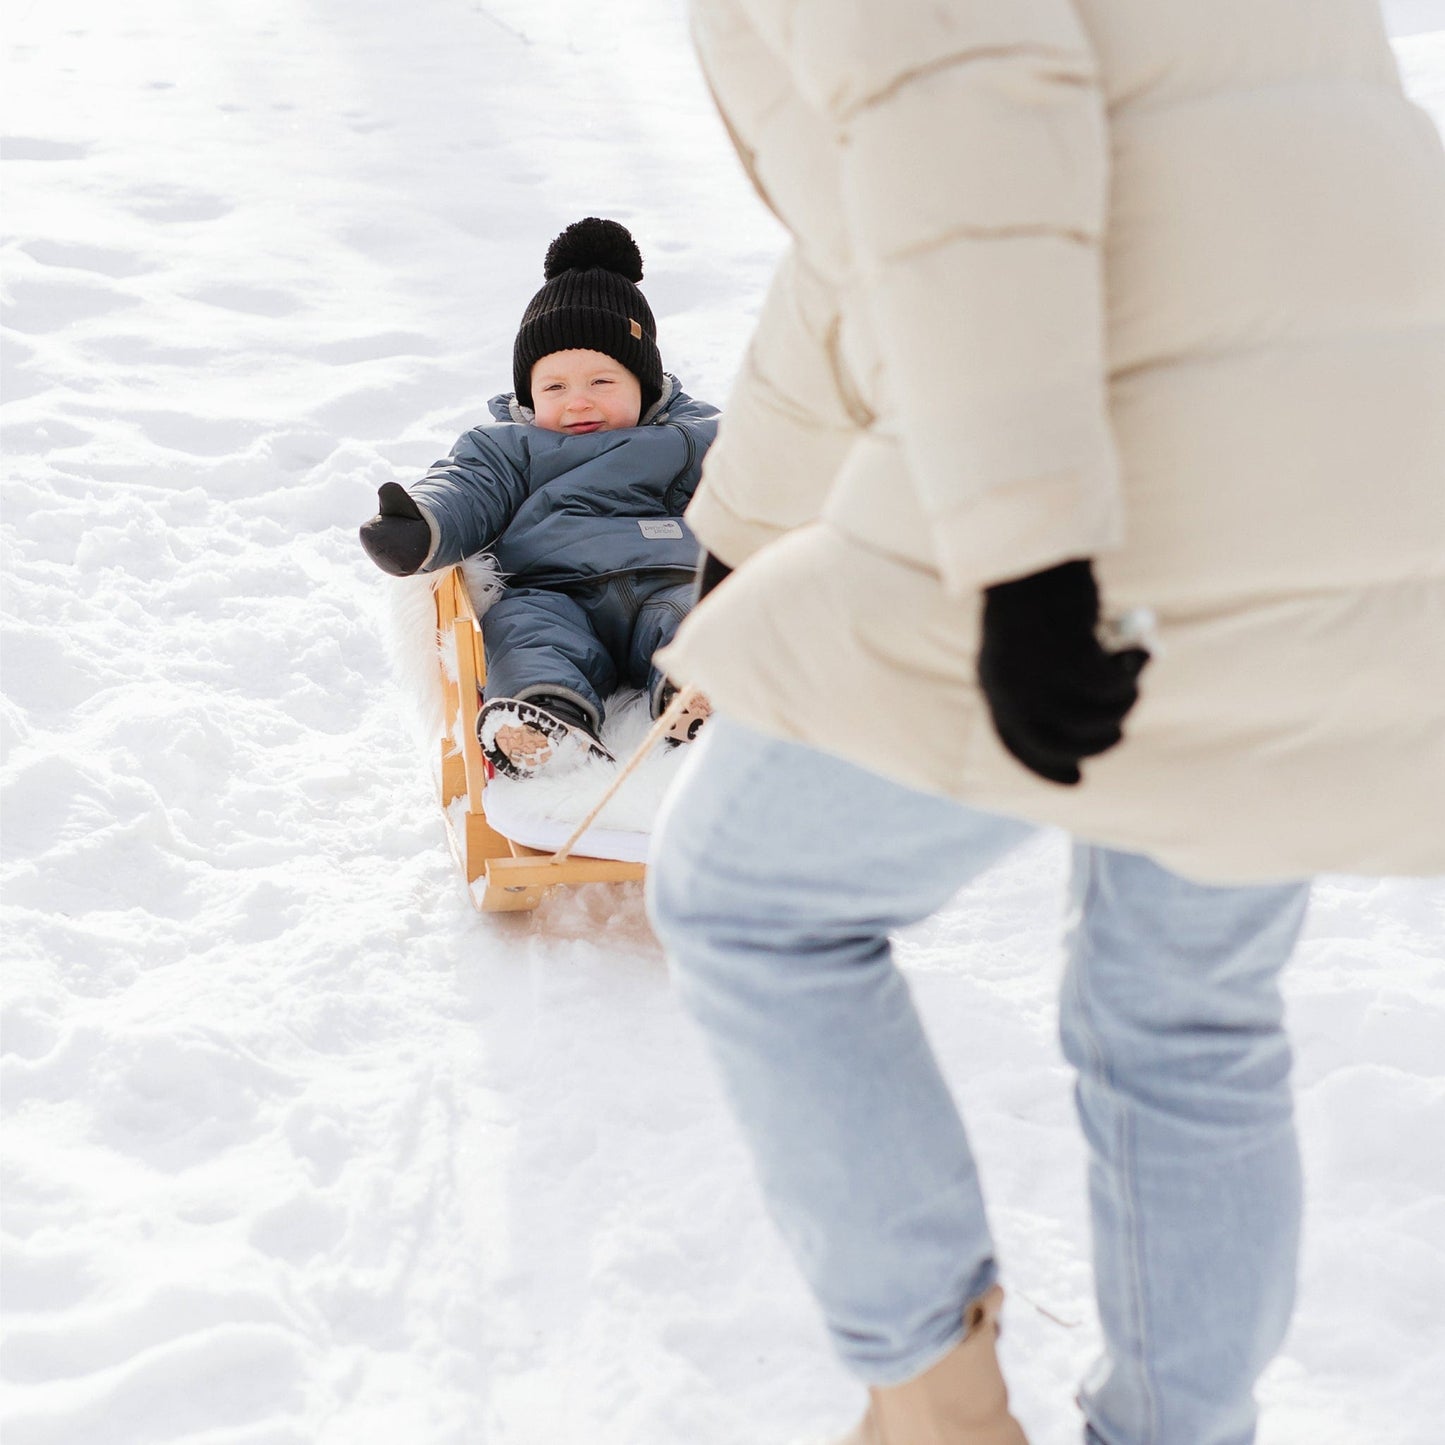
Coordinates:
<point>298,1148</point>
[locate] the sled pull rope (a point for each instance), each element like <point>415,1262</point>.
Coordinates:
<point>674,710</point>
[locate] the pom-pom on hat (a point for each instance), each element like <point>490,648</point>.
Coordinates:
<point>591,302</point>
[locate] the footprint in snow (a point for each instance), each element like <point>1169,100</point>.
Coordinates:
<point>39,307</point>
<point>320,1141</point>
<point>378,347</point>
<point>116,1331</point>
<point>198,436</point>
<point>46,675</point>
<point>40,438</point>
<point>100,259</point>
<point>29,1029</point>
<point>225,1380</point>
<point>182,1099</point>
<point>300,448</point>
<point>133,349</point>
<point>41,1279</point>
<point>299,1229</point>
<point>177,204</point>
<point>250,300</point>
<point>33,148</point>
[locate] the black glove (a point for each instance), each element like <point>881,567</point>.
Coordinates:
<point>710,571</point>
<point>397,539</point>
<point>1055,694</point>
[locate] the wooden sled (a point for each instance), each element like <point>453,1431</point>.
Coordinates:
<point>501,875</point>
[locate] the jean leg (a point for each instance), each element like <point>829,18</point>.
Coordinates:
<point>1172,1016</point>
<point>778,873</point>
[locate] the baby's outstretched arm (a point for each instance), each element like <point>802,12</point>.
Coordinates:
<point>459,507</point>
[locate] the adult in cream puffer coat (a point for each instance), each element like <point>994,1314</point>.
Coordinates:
<point>1182,311</point>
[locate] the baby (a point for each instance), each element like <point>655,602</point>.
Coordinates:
<point>577,490</point>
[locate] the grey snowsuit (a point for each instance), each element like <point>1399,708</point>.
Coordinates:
<point>588,533</point>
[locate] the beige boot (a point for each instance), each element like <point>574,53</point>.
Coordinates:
<point>962,1400</point>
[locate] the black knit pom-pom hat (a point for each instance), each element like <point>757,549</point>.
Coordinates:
<point>591,302</point>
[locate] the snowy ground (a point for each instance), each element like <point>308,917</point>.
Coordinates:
<point>299,1149</point>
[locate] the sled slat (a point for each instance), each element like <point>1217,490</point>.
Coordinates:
<point>454,774</point>
<point>484,844</point>
<point>469,692</point>
<point>540,870</point>
<point>462,610</point>
<point>496,899</point>
<point>446,600</point>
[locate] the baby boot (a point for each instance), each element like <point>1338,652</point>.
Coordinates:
<point>519,737</point>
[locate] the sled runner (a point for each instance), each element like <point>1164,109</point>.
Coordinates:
<point>502,875</point>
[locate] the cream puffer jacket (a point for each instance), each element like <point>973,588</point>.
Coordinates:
<point>1156,282</point>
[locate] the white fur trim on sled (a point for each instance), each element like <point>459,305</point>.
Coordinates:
<point>542,811</point>
<point>509,815</point>
<point>485,582</point>
<point>411,636</point>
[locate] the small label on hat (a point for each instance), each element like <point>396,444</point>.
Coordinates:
<point>635,329</point>
<point>660,531</point>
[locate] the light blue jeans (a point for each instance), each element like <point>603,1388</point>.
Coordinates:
<point>779,874</point>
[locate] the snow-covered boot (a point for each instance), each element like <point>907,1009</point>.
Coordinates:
<point>688,723</point>
<point>962,1400</point>
<point>519,738</point>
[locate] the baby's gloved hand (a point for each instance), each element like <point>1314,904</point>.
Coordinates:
<point>398,538</point>
<point>1056,694</point>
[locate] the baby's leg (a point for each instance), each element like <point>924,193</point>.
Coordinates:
<point>656,623</point>
<point>541,644</point>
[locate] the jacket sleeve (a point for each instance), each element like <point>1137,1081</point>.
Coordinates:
<point>469,498</point>
<point>789,425</point>
<point>973,175</point>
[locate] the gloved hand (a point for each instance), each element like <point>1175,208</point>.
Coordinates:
<point>397,539</point>
<point>1056,695</point>
<point>710,571</point>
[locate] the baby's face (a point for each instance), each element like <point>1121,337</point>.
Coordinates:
<point>584,391</point>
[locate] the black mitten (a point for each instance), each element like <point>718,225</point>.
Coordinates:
<point>710,571</point>
<point>397,539</point>
<point>1056,695</point>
